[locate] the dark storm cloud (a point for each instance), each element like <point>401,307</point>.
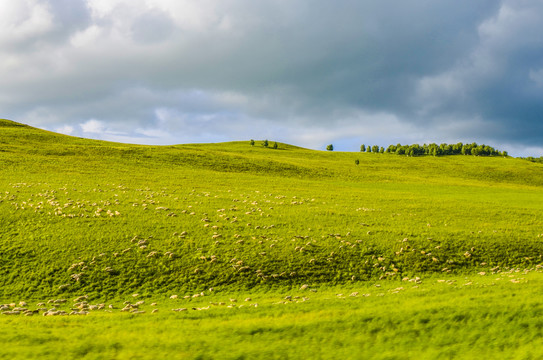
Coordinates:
<point>499,80</point>
<point>308,72</point>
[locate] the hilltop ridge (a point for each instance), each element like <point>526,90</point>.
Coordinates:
<point>287,160</point>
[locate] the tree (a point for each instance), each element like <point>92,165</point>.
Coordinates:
<point>457,149</point>
<point>330,147</point>
<point>433,149</point>
<point>265,143</point>
<point>252,142</point>
<point>368,149</point>
<point>275,146</point>
<point>357,162</point>
<point>362,148</point>
<point>375,148</point>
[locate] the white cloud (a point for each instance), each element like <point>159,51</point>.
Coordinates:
<point>93,126</point>
<point>87,37</point>
<point>66,129</point>
<point>23,20</point>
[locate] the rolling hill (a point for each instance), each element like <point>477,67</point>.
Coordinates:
<point>87,216</point>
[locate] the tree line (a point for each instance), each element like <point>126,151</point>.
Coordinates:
<point>426,149</point>
<point>534,159</point>
<point>436,150</point>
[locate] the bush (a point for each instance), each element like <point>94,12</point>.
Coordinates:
<point>330,147</point>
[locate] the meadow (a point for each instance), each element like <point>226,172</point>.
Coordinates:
<point>442,255</point>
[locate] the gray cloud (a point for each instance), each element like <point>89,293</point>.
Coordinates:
<point>152,27</point>
<point>308,72</point>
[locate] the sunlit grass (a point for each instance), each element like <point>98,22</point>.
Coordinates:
<point>83,217</point>
<point>489,316</point>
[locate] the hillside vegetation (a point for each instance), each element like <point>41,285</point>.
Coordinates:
<point>82,216</point>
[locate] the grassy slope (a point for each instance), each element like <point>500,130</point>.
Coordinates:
<point>252,216</point>
<point>490,317</point>
<point>467,213</point>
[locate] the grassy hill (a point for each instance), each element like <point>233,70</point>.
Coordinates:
<point>394,258</point>
<point>109,219</point>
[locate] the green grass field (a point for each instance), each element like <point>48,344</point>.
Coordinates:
<point>105,220</point>
<point>491,316</point>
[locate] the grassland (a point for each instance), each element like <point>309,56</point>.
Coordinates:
<point>107,220</point>
<point>479,317</point>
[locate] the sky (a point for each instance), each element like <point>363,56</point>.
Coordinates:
<point>305,72</point>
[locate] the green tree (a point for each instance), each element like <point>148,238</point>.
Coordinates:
<point>330,147</point>
<point>265,143</point>
<point>362,148</point>
<point>275,146</point>
<point>357,162</point>
<point>457,149</point>
<point>252,142</point>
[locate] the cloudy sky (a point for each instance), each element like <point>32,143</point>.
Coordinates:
<point>307,72</point>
